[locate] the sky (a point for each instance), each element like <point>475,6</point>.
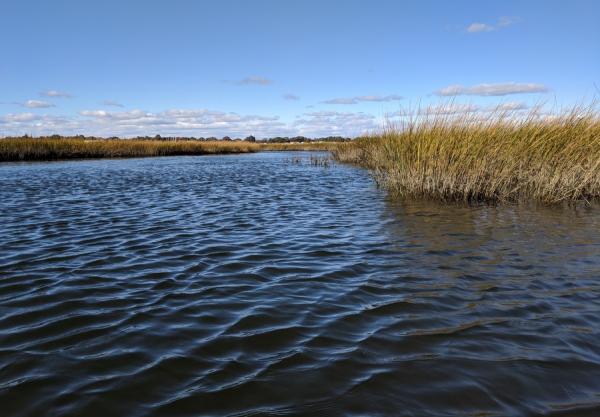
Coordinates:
<point>285,68</point>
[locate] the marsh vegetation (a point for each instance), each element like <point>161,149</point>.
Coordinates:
<point>15,149</point>
<point>498,158</point>
<point>324,160</point>
<point>57,147</point>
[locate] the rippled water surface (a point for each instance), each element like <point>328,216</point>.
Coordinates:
<point>251,285</point>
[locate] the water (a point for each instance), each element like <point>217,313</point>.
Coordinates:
<point>250,285</point>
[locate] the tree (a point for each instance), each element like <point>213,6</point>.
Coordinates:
<point>250,139</point>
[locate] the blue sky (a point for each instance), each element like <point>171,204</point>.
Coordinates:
<point>284,68</point>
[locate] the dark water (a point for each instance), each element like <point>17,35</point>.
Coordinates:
<point>248,285</point>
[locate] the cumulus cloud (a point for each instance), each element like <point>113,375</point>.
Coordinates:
<point>18,118</point>
<point>37,104</point>
<point>332,123</point>
<point>188,122</point>
<point>112,103</point>
<point>29,123</point>
<point>502,22</point>
<point>290,96</point>
<point>254,80</point>
<point>358,99</point>
<point>55,94</point>
<point>500,89</point>
<point>206,123</point>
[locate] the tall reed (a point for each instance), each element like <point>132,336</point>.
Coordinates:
<point>502,157</point>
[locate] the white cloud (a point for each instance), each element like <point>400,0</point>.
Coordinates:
<point>206,123</point>
<point>37,104</point>
<point>503,22</point>
<point>290,96</point>
<point>95,113</point>
<point>55,93</point>
<point>188,122</point>
<point>254,80</point>
<point>332,123</point>
<point>479,27</point>
<point>358,99</point>
<point>18,118</point>
<point>112,103</point>
<point>500,89</point>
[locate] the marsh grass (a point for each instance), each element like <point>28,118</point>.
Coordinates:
<point>321,161</point>
<point>502,157</point>
<point>51,148</point>
<point>26,149</point>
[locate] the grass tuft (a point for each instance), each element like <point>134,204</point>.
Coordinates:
<point>499,158</point>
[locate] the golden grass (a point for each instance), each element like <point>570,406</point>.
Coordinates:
<point>18,149</point>
<point>27,149</point>
<point>502,158</point>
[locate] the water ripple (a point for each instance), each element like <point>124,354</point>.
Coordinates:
<point>247,285</point>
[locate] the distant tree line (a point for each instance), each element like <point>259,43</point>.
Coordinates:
<point>277,139</point>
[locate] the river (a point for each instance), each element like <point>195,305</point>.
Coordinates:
<point>260,284</point>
